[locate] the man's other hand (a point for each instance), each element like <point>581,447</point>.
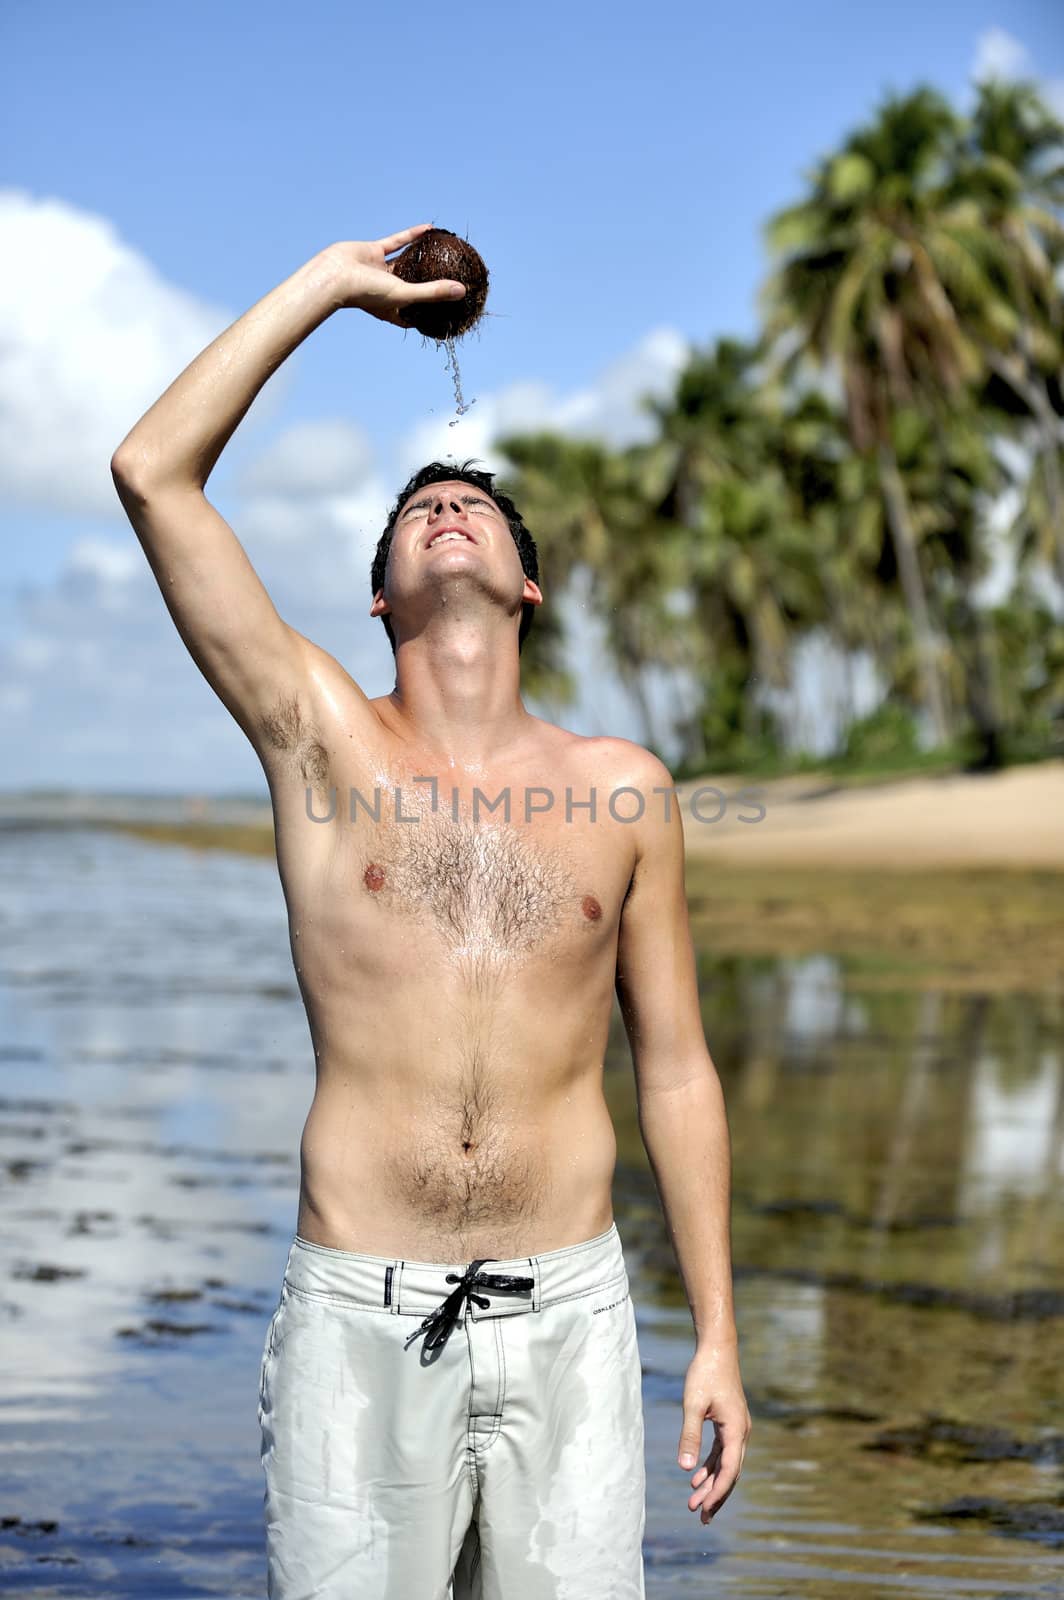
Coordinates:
<point>713,1392</point>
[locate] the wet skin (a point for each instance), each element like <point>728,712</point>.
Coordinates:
<point>457,963</point>
<point>458,978</point>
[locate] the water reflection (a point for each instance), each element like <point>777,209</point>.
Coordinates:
<point>897,1238</point>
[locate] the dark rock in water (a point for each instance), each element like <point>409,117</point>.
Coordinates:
<point>155,1329</point>
<point>43,1273</point>
<point>47,1526</point>
<point>442,254</point>
<point>938,1438</point>
<point>87,1222</point>
<point>806,1210</point>
<point>1030,1519</point>
<point>21,1168</point>
<point>792,1415</point>
<point>107,1536</point>
<point>914,1224</point>
<point>797,1210</point>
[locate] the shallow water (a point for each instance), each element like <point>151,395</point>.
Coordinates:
<point>898,1235</point>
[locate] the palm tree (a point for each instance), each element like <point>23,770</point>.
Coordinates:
<point>1013,171</point>
<point>712,426</point>
<point>750,564</point>
<point>1031,649</point>
<point>544,675</point>
<point>836,500</point>
<point>696,565</point>
<point>868,268</point>
<point>954,474</point>
<point>591,509</point>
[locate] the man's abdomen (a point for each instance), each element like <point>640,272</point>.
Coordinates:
<point>438,1173</point>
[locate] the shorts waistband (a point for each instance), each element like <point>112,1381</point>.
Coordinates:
<point>413,1288</point>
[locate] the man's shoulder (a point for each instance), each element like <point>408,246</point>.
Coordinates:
<point>620,761</point>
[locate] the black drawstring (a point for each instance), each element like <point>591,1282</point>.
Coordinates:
<point>439,1323</point>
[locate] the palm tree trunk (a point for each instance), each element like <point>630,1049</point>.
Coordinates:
<point>988,697</point>
<point>1036,398</point>
<point>751,715</point>
<point>982,687</point>
<point>912,584</point>
<point>1055,496</point>
<point>1049,451</point>
<point>687,729</point>
<point>642,700</point>
<point>630,672</point>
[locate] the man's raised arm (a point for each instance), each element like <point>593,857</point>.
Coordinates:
<point>221,609</point>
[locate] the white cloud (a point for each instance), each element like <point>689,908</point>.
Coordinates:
<point>612,408</point>
<point>609,408</point>
<point>32,651</point>
<point>112,562</point>
<point>1001,56</point>
<point>90,335</point>
<point>14,698</point>
<point>311,458</point>
<point>998,55</point>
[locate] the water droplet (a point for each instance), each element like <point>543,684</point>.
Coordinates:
<point>456,378</point>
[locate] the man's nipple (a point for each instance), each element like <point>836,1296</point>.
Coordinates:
<point>373,877</point>
<point>591,908</point>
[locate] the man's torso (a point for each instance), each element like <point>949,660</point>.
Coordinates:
<point>458,973</point>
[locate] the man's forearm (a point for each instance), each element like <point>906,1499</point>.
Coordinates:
<point>685,1132</point>
<point>180,439</point>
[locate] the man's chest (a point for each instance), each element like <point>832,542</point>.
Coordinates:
<point>449,878</point>
<point>509,866</point>
<point>500,886</point>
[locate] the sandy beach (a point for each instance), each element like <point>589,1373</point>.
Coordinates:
<point>1011,819</point>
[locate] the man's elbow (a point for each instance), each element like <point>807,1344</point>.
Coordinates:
<point>676,1077</point>
<point>122,475</point>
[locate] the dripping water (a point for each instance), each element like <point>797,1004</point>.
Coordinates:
<point>456,378</point>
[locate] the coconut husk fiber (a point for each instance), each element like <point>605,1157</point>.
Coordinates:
<point>442,254</point>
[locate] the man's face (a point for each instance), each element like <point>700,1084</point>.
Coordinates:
<point>447,530</point>
<point>456,505</point>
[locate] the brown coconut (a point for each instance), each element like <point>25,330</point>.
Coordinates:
<point>442,254</point>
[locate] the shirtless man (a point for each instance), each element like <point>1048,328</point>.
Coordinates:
<point>466,885</point>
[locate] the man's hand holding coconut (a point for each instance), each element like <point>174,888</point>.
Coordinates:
<point>424,287</point>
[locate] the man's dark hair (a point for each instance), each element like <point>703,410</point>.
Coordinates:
<point>448,472</point>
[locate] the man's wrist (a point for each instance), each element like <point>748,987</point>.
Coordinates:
<point>347,271</point>
<point>333,268</point>
<point>724,1337</point>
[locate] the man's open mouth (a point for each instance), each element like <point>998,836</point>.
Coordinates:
<point>448,534</point>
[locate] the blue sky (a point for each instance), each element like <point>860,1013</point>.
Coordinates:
<point>161,171</point>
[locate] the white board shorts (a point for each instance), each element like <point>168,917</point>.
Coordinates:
<point>456,1431</point>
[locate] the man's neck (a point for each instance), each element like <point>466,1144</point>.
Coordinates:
<point>459,694</point>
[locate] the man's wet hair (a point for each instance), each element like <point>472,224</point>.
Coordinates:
<point>448,472</point>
